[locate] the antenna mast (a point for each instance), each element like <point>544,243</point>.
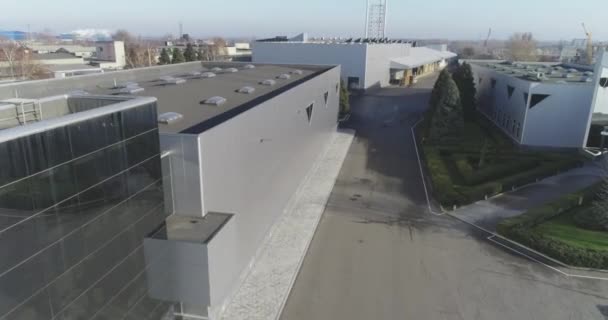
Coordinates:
<point>376,19</point>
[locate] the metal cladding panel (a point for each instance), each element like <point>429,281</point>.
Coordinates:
<point>253,164</point>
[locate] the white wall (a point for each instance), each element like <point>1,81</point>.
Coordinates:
<point>558,121</point>
<point>370,63</point>
<point>351,57</point>
<point>253,164</point>
<point>600,94</point>
<point>378,62</point>
<point>113,51</point>
<point>561,119</point>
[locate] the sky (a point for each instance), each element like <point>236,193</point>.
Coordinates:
<point>445,19</point>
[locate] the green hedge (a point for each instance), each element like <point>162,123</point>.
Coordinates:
<point>449,192</point>
<point>521,229</point>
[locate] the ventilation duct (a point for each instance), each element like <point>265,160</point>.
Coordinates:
<point>284,76</point>
<point>249,66</point>
<point>207,75</point>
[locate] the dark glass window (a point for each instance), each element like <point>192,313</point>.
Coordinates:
<point>139,120</point>
<point>510,91</point>
<point>493,83</point>
<point>309,112</point>
<point>536,99</point>
<point>12,161</point>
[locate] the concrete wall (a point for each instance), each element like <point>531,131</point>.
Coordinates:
<point>352,57</point>
<point>561,119</point>
<point>253,164</point>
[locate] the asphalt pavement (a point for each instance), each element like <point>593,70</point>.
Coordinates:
<point>379,254</point>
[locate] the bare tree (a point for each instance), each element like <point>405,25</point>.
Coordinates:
<point>9,51</point>
<point>522,47</point>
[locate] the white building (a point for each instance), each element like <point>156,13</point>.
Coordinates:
<point>110,55</point>
<point>366,63</point>
<point>236,141</point>
<point>544,105</point>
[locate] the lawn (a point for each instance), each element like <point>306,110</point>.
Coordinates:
<point>482,162</point>
<point>563,228</point>
<point>555,229</point>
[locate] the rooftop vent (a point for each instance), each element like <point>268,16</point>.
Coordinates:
<point>588,79</point>
<point>298,72</point>
<point>78,93</point>
<point>194,73</point>
<point>572,70</point>
<point>216,69</point>
<point>207,75</point>
<point>131,88</point>
<point>249,66</point>
<point>247,90</point>
<point>284,76</point>
<point>172,80</point>
<point>268,82</point>
<point>568,75</point>
<point>589,73</point>
<point>231,70</point>
<point>216,101</point>
<point>170,117</point>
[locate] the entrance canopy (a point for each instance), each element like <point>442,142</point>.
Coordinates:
<point>420,56</point>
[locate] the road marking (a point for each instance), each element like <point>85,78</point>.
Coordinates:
<point>426,192</point>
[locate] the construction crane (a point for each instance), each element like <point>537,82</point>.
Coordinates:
<point>589,45</point>
<point>485,43</point>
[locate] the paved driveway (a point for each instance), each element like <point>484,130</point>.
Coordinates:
<point>379,254</point>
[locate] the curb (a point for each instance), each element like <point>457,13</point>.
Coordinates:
<point>494,234</point>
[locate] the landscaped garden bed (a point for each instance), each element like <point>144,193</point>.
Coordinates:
<point>563,230</point>
<point>467,157</point>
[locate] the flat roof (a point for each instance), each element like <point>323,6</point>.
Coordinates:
<point>420,56</point>
<point>186,98</point>
<point>550,72</point>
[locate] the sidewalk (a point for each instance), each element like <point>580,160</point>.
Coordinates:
<point>265,289</point>
<point>488,214</point>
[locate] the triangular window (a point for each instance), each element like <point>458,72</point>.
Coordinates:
<point>510,91</point>
<point>493,83</point>
<point>525,98</point>
<point>309,112</point>
<point>537,98</point>
<point>326,97</point>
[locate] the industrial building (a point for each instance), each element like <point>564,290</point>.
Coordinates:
<point>544,105</point>
<point>366,63</point>
<point>144,193</point>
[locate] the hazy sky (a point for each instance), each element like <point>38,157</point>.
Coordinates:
<point>464,19</point>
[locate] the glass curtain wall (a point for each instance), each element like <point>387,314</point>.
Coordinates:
<point>76,203</point>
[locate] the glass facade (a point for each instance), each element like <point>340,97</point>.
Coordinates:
<point>76,203</point>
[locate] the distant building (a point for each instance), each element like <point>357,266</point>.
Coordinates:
<point>545,105</point>
<point>110,55</point>
<point>14,35</point>
<point>366,63</point>
<point>77,50</point>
